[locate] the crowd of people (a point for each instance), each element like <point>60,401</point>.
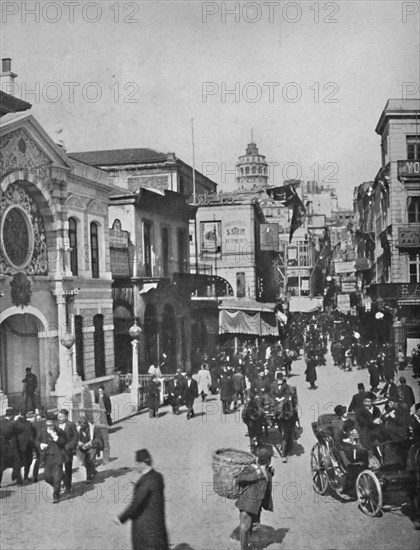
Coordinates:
<point>50,440</point>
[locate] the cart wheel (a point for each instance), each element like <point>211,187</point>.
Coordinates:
<point>369,493</point>
<point>319,473</point>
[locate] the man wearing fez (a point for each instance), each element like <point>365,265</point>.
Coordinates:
<point>147,507</point>
<point>90,444</point>
<point>51,443</point>
<point>30,383</point>
<point>69,428</point>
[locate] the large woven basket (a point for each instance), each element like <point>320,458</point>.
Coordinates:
<point>227,464</point>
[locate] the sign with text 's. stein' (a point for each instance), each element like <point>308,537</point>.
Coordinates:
<point>236,235</point>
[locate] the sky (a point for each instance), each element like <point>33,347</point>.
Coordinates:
<point>309,78</point>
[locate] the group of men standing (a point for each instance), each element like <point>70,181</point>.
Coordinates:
<point>51,441</point>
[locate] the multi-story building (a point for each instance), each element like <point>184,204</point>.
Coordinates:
<point>55,277</point>
<point>150,267</point>
<point>132,169</point>
<point>388,216</point>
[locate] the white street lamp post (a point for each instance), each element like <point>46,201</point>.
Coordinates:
<point>135,332</point>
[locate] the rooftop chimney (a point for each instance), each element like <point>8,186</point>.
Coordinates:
<point>7,78</point>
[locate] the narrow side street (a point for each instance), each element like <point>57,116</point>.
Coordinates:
<point>197,518</point>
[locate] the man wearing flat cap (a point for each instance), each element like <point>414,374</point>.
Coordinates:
<point>69,428</point>
<point>147,507</point>
<point>255,482</point>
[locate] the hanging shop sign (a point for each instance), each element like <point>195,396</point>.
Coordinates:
<point>344,267</point>
<point>343,302</point>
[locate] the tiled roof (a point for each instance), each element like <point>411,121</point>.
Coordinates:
<point>119,156</point>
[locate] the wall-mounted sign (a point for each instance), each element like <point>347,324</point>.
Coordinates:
<point>408,238</point>
<point>344,267</point>
<point>119,251</point>
<point>236,235</point>
<point>269,236</point>
<point>407,168</point>
<point>211,239</point>
<point>343,302</point>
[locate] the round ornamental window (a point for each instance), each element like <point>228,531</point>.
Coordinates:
<point>17,237</point>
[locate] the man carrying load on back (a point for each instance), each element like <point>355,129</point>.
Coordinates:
<point>255,482</point>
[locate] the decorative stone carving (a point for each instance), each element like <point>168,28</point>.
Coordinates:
<point>37,257</point>
<point>18,152</point>
<point>76,202</point>
<point>99,207</point>
<point>21,290</point>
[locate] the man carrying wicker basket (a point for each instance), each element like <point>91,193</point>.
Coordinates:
<point>255,484</point>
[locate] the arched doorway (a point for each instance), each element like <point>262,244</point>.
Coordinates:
<point>19,349</point>
<point>151,330</point>
<point>123,320</point>
<point>168,339</point>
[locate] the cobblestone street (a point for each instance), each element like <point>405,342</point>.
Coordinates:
<point>196,518</point>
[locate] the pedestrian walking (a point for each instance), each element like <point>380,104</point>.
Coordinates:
<point>104,402</point>
<point>90,444</point>
<point>374,375</point>
<point>153,397</point>
<point>69,428</point>
<point>51,443</point>
<point>147,507</point>
<point>238,382</point>
<point>204,381</point>
<point>226,390</point>
<point>190,393</point>
<point>310,372</point>
<point>175,391</point>
<point>256,484</point>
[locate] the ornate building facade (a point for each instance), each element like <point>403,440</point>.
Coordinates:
<point>55,279</point>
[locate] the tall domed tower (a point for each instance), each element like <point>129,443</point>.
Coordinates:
<point>252,169</point>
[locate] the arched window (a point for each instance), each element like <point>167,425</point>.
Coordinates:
<point>259,170</point>
<point>99,345</point>
<point>73,245</point>
<point>94,250</point>
<point>254,169</point>
<point>247,170</point>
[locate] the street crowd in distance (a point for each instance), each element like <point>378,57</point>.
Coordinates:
<point>257,381</point>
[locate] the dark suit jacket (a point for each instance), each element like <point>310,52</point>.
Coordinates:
<point>357,401</point>
<point>147,512</point>
<point>190,393</point>
<point>55,453</point>
<point>72,436</point>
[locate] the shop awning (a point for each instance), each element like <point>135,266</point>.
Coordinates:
<point>305,304</point>
<point>247,317</point>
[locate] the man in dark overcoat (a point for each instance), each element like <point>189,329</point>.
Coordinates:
<point>147,507</point>
<point>52,442</point>
<point>189,395</point>
<point>226,390</point>
<point>153,397</point>
<point>70,429</point>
